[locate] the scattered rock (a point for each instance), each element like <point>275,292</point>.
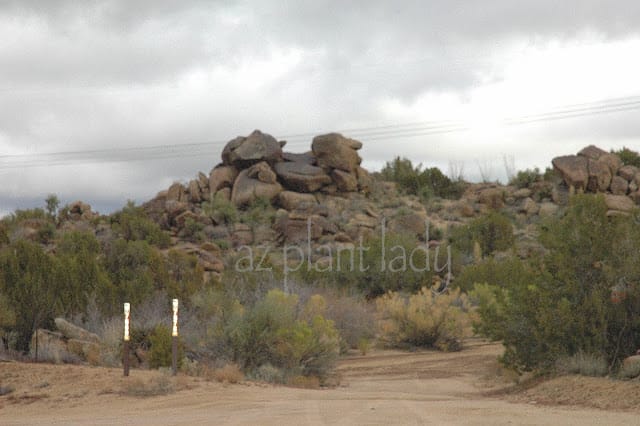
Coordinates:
<point>548,209</point>
<point>619,186</point>
<point>529,207</point>
<point>619,202</point>
<point>628,172</point>
<point>522,193</point>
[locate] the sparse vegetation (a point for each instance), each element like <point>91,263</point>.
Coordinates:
<point>628,156</point>
<point>159,384</point>
<point>584,364</point>
<point>424,320</point>
<point>425,183</point>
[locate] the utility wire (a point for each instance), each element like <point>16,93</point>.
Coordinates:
<point>372,133</point>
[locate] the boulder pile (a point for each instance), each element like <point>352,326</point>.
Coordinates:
<point>254,169</point>
<point>595,170</point>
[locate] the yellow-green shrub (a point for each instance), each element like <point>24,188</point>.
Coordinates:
<point>424,319</point>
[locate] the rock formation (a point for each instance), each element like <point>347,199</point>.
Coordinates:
<point>595,170</point>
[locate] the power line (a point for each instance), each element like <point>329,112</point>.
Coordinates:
<point>372,133</point>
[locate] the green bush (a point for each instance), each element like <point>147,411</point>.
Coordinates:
<point>526,178</point>
<point>565,304</point>
<point>221,210</point>
<point>259,211</point>
<point>133,224</point>
<point>628,156</point>
<point>493,232</point>
<point>273,332</point>
<point>160,351</point>
<point>424,183</point>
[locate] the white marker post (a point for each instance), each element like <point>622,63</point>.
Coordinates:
<point>174,338</point>
<point>125,359</point>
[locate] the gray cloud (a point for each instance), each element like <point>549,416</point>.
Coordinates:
<point>117,74</point>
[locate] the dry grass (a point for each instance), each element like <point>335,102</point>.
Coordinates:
<point>304,382</point>
<point>230,373</point>
<point>156,385</point>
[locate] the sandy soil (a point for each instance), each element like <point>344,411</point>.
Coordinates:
<point>384,387</point>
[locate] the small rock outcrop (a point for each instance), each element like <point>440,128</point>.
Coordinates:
<point>595,170</point>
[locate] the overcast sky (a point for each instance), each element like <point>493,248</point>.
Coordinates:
<point>93,81</point>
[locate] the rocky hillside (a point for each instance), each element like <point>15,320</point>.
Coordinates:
<point>262,195</point>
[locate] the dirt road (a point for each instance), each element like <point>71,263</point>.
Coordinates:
<point>378,389</point>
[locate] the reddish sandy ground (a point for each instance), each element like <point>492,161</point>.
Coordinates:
<point>382,388</point>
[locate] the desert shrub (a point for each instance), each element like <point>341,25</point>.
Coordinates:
<point>628,156</point>
<point>205,332</point>
<point>192,231</point>
<point>565,304</point>
<point>28,280</point>
<point>385,265</point>
<point>160,351</point>
<point>424,319</point>
<point>270,374</point>
<point>133,224</point>
<point>230,373</point>
<point>272,333</point>
<point>221,210</point>
<point>364,345</point>
<point>135,268</point>
<point>584,364</point>
<point>186,275</point>
<point>424,183</point>
<point>159,384</point>
<point>629,371</point>
<point>493,232</point>
<point>353,319</point>
<point>526,178</point>
<point>259,211</point>
<point>223,244</point>
<point>497,272</point>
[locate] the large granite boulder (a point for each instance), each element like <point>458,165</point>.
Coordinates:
<point>612,161</point>
<point>599,176</point>
<point>592,152</point>
<point>72,331</point>
<point>262,172</point>
<point>628,172</point>
<point>222,177</point>
<point>619,185</point>
<point>246,189</point>
<point>334,151</point>
<point>619,202</point>
<point>243,151</point>
<point>346,182</point>
<point>290,200</point>
<point>301,177</point>
<point>573,169</point>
